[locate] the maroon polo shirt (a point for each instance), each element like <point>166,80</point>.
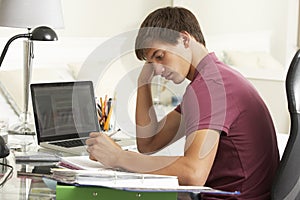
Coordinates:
<point>222,99</point>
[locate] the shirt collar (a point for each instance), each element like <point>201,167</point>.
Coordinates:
<point>204,62</point>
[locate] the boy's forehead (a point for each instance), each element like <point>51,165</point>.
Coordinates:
<point>150,50</point>
<point>154,46</point>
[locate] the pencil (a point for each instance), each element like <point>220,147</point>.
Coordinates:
<point>106,124</point>
<point>102,107</point>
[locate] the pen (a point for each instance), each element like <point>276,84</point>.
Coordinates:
<point>99,110</point>
<point>109,104</point>
<point>113,133</point>
<point>98,105</point>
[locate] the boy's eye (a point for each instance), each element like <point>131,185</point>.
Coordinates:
<point>160,56</point>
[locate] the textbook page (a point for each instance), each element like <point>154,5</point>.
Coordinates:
<point>114,179</point>
<point>79,163</point>
<point>130,181</point>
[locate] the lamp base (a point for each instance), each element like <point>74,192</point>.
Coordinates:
<point>23,127</point>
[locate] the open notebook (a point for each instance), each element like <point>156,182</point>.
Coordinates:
<point>64,114</point>
<point>80,170</point>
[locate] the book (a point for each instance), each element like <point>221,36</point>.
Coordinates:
<point>127,181</point>
<point>113,178</point>
<point>81,171</point>
<point>33,156</point>
<point>79,163</point>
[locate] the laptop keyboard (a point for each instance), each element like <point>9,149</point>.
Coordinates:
<point>70,143</point>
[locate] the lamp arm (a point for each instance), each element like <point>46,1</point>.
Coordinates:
<point>27,35</point>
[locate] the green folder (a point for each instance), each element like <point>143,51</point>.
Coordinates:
<point>71,192</point>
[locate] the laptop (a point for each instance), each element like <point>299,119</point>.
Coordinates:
<point>64,114</point>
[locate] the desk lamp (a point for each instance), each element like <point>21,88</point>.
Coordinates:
<point>37,16</point>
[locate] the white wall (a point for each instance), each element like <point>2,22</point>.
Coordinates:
<point>99,18</point>
<point>106,18</point>
<point>292,30</point>
<point>236,16</point>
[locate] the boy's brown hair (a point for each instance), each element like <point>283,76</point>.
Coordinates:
<point>165,25</point>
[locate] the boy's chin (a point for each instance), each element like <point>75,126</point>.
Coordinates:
<point>178,81</point>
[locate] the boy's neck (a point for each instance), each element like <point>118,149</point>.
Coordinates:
<point>199,51</point>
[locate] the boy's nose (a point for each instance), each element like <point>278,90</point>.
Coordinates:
<point>159,69</point>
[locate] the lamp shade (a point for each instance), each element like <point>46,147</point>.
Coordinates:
<point>31,13</point>
<point>43,33</point>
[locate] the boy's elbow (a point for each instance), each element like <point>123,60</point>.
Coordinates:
<point>193,176</point>
<point>191,179</point>
<point>145,146</point>
<point>141,149</point>
<point>145,150</point>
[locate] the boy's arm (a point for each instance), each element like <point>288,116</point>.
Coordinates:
<point>152,135</point>
<point>191,169</point>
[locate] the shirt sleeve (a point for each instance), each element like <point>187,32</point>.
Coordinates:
<point>204,104</point>
<point>178,108</point>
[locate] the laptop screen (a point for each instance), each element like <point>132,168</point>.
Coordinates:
<point>64,110</point>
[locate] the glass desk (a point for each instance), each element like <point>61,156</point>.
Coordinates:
<point>21,186</point>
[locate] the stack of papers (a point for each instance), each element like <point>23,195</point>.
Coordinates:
<point>80,170</point>
<point>114,179</point>
<point>130,181</point>
<point>83,171</point>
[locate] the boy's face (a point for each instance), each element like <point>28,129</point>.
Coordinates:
<point>170,61</point>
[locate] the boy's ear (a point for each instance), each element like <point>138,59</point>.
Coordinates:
<point>185,37</point>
